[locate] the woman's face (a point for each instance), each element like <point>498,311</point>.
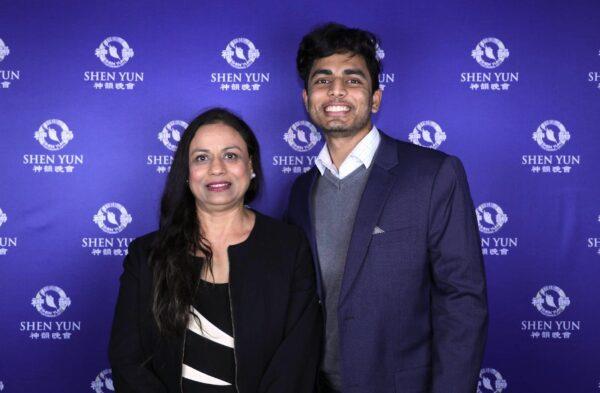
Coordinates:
<point>220,168</point>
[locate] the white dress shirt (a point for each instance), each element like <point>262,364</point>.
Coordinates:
<point>362,154</point>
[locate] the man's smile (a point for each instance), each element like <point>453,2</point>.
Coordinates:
<point>337,109</point>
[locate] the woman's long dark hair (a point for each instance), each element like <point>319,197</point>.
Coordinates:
<point>176,273</point>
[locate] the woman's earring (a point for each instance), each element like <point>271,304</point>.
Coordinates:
<point>253,175</point>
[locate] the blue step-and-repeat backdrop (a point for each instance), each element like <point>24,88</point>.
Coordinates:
<point>94,96</point>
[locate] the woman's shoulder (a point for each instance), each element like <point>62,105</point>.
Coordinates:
<point>281,245</point>
<point>277,230</point>
<point>142,245</point>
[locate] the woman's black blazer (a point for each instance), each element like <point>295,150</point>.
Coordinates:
<point>276,317</point>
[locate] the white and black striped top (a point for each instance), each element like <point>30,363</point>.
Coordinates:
<point>208,361</point>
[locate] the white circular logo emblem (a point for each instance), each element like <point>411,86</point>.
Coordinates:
<point>112,218</point>
<point>427,133</point>
<point>103,382</point>
<point>3,217</point>
<point>4,50</point>
<point>490,381</point>
<point>490,217</point>
<point>114,52</point>
<point>551,301</point>
<point>171,134</point>
<point>240,53</point>
<point>551,135</point>
<point>302,136</point>
<point>490,52</point>
<point>53,134</point>
<point>51,301</point>
<point>379,53</point>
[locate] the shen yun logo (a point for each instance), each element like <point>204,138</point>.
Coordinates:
<point>114,52</point>
<point>170,136</point>
<point>112,218</point>
<point>302,137</point>
<point>592,242</point>
<point>551,136</point>
<point>6,242</point>
<point>593,78</point>
<point>240,53</point>
<point>171,133</point>
<point>51,301</point>
<point>489,53</point>
<point>490,381</point>
<point>4,50</point>
<point>103,382</point>
<point>490,219</point>
<point>53,134</point>
<point>427,133</point>
<point>379,53</point>
<point>385,79</point>
<point>7,77</point>
<point>551,301</point>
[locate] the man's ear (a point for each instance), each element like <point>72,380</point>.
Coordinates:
<point>376,101</point>
<point>305,99</point>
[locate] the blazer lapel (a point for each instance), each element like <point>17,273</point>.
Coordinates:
<point>309,228</point>
<point>371,204</point>
<point>308,222</point>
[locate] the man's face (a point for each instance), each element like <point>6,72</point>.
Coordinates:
<point>339,97</point>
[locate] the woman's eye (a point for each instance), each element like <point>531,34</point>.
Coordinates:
<point>231,156</point>
<point>201,158</point>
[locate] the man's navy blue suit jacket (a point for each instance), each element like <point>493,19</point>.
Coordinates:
<point>413,308</point>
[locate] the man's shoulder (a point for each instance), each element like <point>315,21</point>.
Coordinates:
<point>303,181</point>
<point>425,164</point>
<point>414,153</point>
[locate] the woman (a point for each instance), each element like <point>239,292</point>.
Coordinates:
<point>221,298</point>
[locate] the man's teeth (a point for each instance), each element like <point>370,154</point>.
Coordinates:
<point>337,108</point>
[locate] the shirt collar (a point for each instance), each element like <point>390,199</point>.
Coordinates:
<point>363,153</point>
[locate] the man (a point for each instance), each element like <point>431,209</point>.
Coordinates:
<point>395,240</point>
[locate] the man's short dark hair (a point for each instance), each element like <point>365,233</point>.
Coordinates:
<point>333,38</point>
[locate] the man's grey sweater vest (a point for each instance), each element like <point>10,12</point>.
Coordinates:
<point>335,204</point>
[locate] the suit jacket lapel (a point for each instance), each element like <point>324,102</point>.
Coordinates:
<point>307,224</point>
<point>373,199</point>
